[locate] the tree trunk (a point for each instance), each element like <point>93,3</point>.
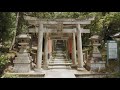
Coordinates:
<point>20,23</point>
<point>16,25</point>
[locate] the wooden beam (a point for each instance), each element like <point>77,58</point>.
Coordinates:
<point>33,30</point>
<point>59,38</point>
<point>55,31</point>
<point>85,30</point>
<point>78,22</point>
<point>59,35</point>
<point>30,18</point>
<point>58,20</point>
<point>36,22</point>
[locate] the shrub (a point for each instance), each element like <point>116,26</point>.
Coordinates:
<point>3,61</point>
<point>9,76</point>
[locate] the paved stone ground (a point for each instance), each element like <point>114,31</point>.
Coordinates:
<point>61,73</point>
<point>60,68</point>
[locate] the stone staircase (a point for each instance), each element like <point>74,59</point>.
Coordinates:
<point>59,61</point>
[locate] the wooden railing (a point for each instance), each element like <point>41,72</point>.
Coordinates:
<point>86,53</point>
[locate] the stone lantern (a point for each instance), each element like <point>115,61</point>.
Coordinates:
<point>22,62</point>
<point>23,41</point>
<point>96,55</point>
<point>96,61</point>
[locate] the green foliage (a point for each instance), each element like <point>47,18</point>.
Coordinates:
<point>111,25</point>
<point>116,75</point>
<point>3,61</point>
<point>113,75</point>
<point>105,23</point>
<point>22,24</point>
<point>9,76</point>
<point>6,26</point>
<point>53,15</point>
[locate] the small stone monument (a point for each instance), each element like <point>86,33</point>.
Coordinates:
<point>96,62</point>
<point>22,62</point>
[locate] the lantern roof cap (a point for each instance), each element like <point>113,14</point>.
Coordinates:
<point>96,37</point>
<point>116,35</point>
<point>23,36</point>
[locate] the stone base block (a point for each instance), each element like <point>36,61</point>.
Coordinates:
<point>38,70</point>
<point>80,69</point>
<point>96,65</point>
<point>21,68</point>
<point>22,63</point>
<point>73,66</point>
<point>45,67</point>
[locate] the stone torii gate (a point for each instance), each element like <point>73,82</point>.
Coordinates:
<point>59,26</point>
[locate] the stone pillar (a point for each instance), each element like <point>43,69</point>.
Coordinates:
<point>31,42</point>
<point>45,61</point>
<point>70,47</point>
<point>79,49</point>
<point>74,50</point>
<point>53,45</point>
<point>49,47</point>
<point>40,42</point>
<point>67,48</point>
<point>87,55</point>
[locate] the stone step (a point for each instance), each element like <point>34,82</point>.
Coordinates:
<point>60,57</point>
<point>59,67</point>
<point>59,64</point>
<point>58,61</point>
<point>58,51</point>
<point>59,54</point>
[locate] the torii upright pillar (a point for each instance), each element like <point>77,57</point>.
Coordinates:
<point>45,61</point>
<point>79,49</point>
<point>39,52</point>
<point>50,48</point>
<point>74,51</point>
